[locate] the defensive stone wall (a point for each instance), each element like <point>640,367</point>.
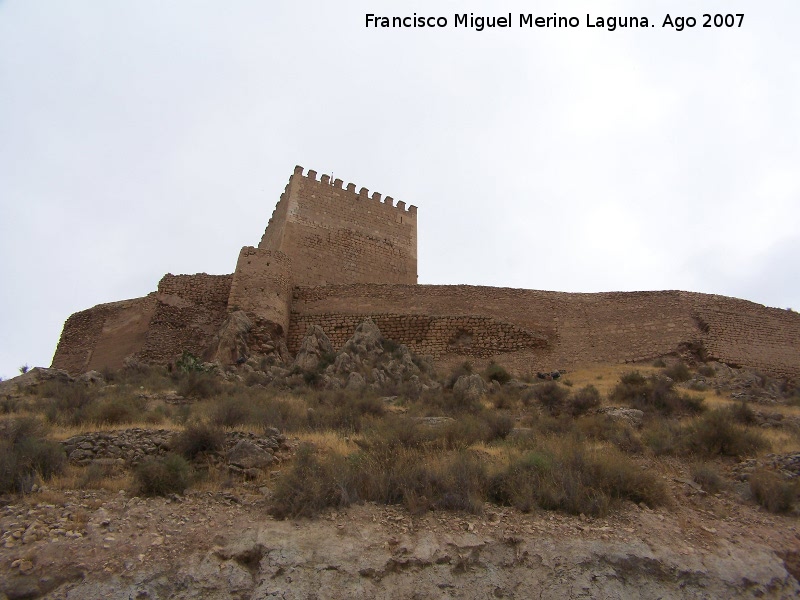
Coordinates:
<point>335,235</point>
<point>103,336</point>
<point>333,256</point>
<point>529,330</point>
<point>262,286</point>
<point>190,310</point>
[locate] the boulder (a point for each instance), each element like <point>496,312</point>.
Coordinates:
<point>470,388</point>
<point>246,455</point>
<point>629,416</point>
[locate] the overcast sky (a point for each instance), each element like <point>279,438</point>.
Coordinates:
<point>144,137</point>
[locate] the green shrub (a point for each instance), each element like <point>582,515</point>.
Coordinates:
<point>198,439</point>
<point>659,363</point>
<point>495,372</point>
<point>189,363</point>
<point>772,491</point>
<point>162,475</point>
<point>584,400</point>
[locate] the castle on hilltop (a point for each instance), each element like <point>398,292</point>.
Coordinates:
<point>333,256</point>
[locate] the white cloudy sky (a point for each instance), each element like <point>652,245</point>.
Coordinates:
<point>144,137</point>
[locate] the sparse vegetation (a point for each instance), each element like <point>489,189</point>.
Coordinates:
<point>162,476</point>
<point>654,394</point>
<point>772,491</point>
<point>26,455</point>
<point>423,450</point>
<point>197,439</point>
<point>495,372</point>
<point>678,372</point>
<point>550,395</point>
<point>584,400</point>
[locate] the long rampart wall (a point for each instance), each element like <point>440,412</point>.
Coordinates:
<point>334,234</point>
<point>190,310</point>
<point>104,335</point>
<point>563,330</point>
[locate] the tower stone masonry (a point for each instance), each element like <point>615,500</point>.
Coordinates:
<point>333,256</point>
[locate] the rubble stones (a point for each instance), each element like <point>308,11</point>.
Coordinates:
<point>129,447</point>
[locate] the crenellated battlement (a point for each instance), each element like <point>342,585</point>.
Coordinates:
<point>336,233</point>
<point>362,194</point>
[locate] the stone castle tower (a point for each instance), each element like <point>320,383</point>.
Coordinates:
<point>323,234</point>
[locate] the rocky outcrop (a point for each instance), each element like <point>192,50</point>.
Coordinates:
<point>229,345</point>
<point>315,347</point>
<point>368,559</point>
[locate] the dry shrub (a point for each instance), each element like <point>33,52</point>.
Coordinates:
<point>663,437</point>
<point>603,428</point>
<point>549,394</point>
<point>198,439</point>
<point>198,385</point>
<point>463,369</point>
<point>310,486</point>
<point>495,372</point>
<point>678,372</point>
<point>716,434</point>
<point>24,455</point>
<point>708,478</point>
<point>114,412</point>
<point>654,394</point>
<point>232,411</point>
<point>567,477</point>
<point>169,474</point>
<point>772,491</point>
<point>707,371</point>
<point>583,400</point>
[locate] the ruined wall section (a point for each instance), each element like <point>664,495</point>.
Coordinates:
<point>745,333</point>
<point>335,235</point>
<point>262,287</point>
<point>103,336</point>
<point>189,312</point>
<point>541,330</point>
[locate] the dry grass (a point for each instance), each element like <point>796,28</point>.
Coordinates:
<point>77,477</point>
<point>604,377</point>
<point>330,441</point>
